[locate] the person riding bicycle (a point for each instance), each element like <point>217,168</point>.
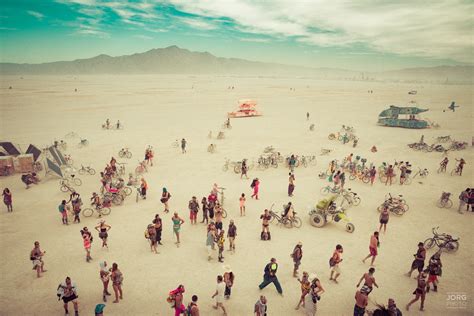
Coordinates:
<point>288,211</point>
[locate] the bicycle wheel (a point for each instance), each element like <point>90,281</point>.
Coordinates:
<point>121,154</point>
<point>448,203</point>
<point>405,206</point>
<point>105,211</point>
<point>317,219</point>
<point>82,171</point>
<point>77,181</point>
<point>383,178</point>
<point>356,200</point>
<point>453,172</point>
<point>91,171</point>
<point>366,179</point>
<point>398,210</point>
<point>87,212</point>
<point>441,203</point>
<point>237,169</point>
<point>117,199</point>
<point>297,222</point>
<point>224,213</point>
<point>127,191</point>
<point>64,188</point>
<point>380,208</point>
<point>429,243</point>
<point>407,181</point>
<point>273,216</point>
<point>451,246</point>
<point>350,227</point>
<point>129,155</point>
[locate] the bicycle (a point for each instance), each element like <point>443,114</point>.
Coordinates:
<point>71,178</point>
<point>328,189</point>
<point>65,187</point>
<point>125,153</point>
<point>456,171</point>
<point>141,168</point>
<point>443,241</point>
<point>221,201</point>
<point>115,197</point>
<point>295,221</point>
<point>445,201</point>
<point>361,175</point>
<point>396,205</point>
<point>85,170</point>
<point>121,168</point>
<point>423,173</point>
<point>102,210</point>
<point>351,197</point>
<point>308,160</point>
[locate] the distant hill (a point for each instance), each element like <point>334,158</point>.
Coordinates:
<point>175,60</point>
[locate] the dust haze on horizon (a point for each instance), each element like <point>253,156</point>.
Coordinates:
<point>316,34</point>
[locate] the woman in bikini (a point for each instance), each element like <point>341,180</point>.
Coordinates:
<point>103,229</point>
<point>242,204</point>
<point>266,217</point>
<point>177,222</point>
<point>104,277</point>
<point>165,196</point>
<point>117,279</point>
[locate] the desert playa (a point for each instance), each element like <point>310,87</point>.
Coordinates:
<point>157,109</point>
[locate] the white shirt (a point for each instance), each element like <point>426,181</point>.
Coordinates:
<point>220,288</point>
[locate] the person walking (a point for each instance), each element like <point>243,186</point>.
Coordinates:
<point>151,235</point>
<point>255,185</point>
<point>177,222</point>
<point>165,196</point>
<point>383,219</point>
<point>244,168</point>
<point>228,280</point>
<point>305,287</point>
<point>434,269</point>
<point>231,234</point>
<point>297,255</point>
<point>104,277</point>
<point>374,243</point>
<point>7,199</point>
<point>193,206</point>
<point>372,174</point>
<point>292,163</point>
<point>183,145</point>
<point>362,299</point>
<point>291,184</point>
<point>210,240</point>
<point>205,210</point>
<point>193,308</point>
<point>219,294</point>
<point>369,280</point>
<point>269,276</point>
<point>36,257</point>
<point>242,204</point>
<point>307,116</point>
<point>342,179</point>
<point>67,291</point>
<point>143,188</point>
<point>334,262</point>
<point>117,279</point>
<point>464,200</point>
<point>63,211</point>
<point>87,240</point>
<point>103,229</point>
<point>419,261</point>
<point>313,296</point>
<point>260,308</point>
<point>390,175</point>
<point>420,292</point>
<point>158,224</point>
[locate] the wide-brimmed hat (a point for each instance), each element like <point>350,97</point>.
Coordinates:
<point>227,268</point>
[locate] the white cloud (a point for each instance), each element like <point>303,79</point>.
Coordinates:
<point>144,37</point>
<point>413,28</point>
<point>198,24</point>
<point>36,14</point>
<point>254,39</point>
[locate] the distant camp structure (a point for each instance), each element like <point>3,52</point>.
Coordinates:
<point>247,108</point>
<point>406,117</point>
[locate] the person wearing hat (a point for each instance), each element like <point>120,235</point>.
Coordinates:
<point>99,309</point>
<point>419,292</point>
<point>269,276</point>
<point>362,300</point>
<point>297,255</point>
<point>228,280</point>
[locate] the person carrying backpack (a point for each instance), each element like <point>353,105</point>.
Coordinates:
<point>193,309</point>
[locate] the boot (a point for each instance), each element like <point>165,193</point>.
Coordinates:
<point>269,236</point>
<point>435,288</point>
<point>427,288</point>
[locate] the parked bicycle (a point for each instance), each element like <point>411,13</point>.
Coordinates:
<point>83,143</point>
<point>71,179</point>
<point>294,221</point>
<point>443,241</point>
<point>445,201</point>
<point>125,153</point>
<point>101,210</point>
<point>221,200</point>
<point>330,189</point>
<point>396,205</point>
<point>64,186</point>
<point>351,197</point>
<point>423,173</point>
<point>86,169</point>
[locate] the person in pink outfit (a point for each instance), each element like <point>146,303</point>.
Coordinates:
<point>255,185</point>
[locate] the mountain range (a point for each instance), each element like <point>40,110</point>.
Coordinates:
<point>175,60</point>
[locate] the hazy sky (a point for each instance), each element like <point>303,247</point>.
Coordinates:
<point>359,34</point>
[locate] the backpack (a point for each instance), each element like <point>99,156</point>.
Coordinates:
<point>253,183</point>
<point>188,309</point>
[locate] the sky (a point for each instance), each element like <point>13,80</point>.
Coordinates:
<point>357,35</point>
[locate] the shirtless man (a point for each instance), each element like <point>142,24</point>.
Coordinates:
<point>218,215</point>
<point>369,280</point>
<point>361,301</point>
<point>334,263</point>
<point>67,292</point>
<point>36,256</point>
<point>374,241</point>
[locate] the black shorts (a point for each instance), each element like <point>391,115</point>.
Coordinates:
<point>418,264</point>
<point>69,298</point>
<point>103,235</point>
<point>383,221</point>
<point>219,225</point>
